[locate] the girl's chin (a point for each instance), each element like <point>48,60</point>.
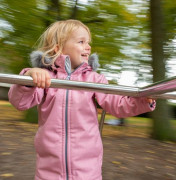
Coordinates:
<point>85,60</point>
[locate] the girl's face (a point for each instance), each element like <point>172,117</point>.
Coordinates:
<point>77,47</point>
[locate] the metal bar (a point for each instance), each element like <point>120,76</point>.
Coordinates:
<point>76,85</point>
<point>164,96</point>
<point>154,90</point>
<point>167,85</point>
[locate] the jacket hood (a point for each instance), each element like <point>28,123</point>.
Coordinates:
<point>36,60</point>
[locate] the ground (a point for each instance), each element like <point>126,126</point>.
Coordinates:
<point>129,153</point>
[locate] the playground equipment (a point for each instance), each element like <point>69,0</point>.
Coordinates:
<point>162,89</point>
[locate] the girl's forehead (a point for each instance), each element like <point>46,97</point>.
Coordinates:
<point>80,32</point>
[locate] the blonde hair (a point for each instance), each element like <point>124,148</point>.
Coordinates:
<point>56,35</point>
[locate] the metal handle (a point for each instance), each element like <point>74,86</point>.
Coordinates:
<point>154,90</point>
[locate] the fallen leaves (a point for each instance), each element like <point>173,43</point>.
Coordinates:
<point>116,162</point>
<point>7,175</point>
<point>148,167</point>
<point>6,153</point>
<point>151,152</point>
<point>170,167</point>
<point>148,158</point>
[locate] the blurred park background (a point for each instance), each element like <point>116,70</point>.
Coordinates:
<point>136,44</point>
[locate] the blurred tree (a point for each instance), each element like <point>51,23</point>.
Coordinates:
<point>74,11</point>
<point>120,31</point>
<point>170,27</point>
<point>53,11</point>
<point>26,26</point>
<point>161,125</point>
<point>29,19</point>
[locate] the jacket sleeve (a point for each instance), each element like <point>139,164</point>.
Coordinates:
<point>23,98</point>
<point>122,106</point>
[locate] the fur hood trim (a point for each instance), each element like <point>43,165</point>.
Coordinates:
<point>36,60</point>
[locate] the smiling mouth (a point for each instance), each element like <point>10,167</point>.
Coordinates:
<point>85,55</point>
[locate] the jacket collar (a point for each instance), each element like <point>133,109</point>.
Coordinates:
<point>62,62</point>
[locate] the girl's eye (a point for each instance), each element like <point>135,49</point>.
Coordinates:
<point>81,42</point>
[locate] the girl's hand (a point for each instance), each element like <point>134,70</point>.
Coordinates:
<point>150,101</point>
<point>41,77</point>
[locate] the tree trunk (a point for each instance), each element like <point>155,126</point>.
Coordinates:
<point>53,12</point>
<point>161,124</point>
<point>74,11</point>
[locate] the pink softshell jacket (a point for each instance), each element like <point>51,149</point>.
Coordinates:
<point>68,142</point>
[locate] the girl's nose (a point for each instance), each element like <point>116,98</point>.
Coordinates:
<point>88,47</point>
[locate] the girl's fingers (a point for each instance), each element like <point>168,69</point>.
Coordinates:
<point>39,80</point>
<point>43,80</point>
<point>149,100</point>
<point>34,77</point>
<point>48,80</point>
<point>41,77</point>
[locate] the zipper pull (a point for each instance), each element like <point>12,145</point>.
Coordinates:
<point>68,77</point>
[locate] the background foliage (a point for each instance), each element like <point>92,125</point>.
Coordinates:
<point>121,34</point>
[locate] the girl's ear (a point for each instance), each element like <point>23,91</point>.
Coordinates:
<point>56,49</point>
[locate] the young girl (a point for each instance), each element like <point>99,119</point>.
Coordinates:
<point>68,143</point>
